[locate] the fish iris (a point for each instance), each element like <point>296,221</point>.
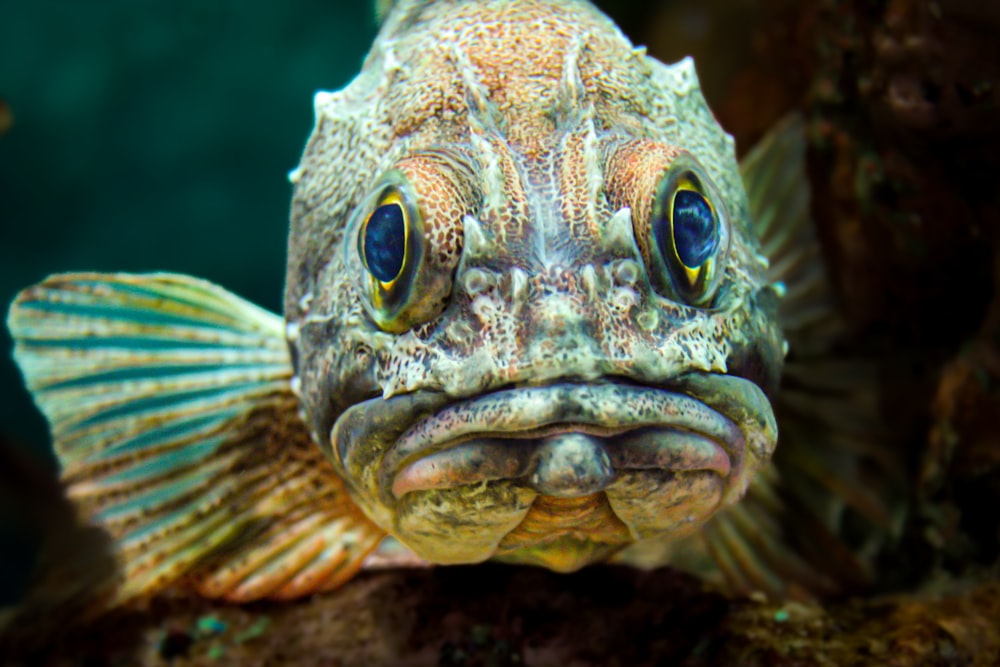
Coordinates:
<point>385,242</point>
<point>696,234</point>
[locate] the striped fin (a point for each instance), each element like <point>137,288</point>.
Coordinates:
<point>769,544</point>
<point>172,414</point>
<point>774,174</point>
<point>811,521</point>
<point>834,482</point>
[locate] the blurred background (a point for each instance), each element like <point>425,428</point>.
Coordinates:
<point>158,135</point>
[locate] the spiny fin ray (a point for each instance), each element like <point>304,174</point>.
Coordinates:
<point>171,409</point>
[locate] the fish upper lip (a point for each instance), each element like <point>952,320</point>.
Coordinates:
<point>604,409</point>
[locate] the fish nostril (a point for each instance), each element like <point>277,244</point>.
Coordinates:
<point>625,272</point>
<point>570,465</point>
<point>476,281</point>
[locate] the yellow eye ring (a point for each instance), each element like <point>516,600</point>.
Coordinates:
<point>384,240</point>
<point>404,243</point>
<point>390,245</point>
<point>690,234</point>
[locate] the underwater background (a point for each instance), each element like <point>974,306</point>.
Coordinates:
<point>153,136</point>
<point>157,135</point>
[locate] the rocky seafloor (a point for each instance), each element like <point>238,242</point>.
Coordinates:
<point>495,616</point>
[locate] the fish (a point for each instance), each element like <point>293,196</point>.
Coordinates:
<point>535,312</point>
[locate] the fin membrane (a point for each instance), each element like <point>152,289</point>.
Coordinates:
<point>811,521</point>
<point>774,174</point>
<point>172,414</point>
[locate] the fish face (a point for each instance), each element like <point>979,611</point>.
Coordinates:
<point>527,316</point>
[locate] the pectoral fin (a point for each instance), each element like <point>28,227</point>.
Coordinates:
<point>812,524</point>
<point>171,409</point>
<point>831,474</point>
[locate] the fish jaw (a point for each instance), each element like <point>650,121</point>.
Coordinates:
<point>558,475</point>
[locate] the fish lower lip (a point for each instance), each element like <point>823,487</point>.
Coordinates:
<point>564,440</point>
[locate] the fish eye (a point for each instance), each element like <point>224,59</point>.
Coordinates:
<point>390,245</point>
<point>694,227</point>
<point>690,236</point>
<point>406,245</point>
<point>384,242</point>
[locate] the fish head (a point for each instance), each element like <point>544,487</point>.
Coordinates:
<point>528,317</point>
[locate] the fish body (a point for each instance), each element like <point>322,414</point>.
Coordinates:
<point>531,315</point>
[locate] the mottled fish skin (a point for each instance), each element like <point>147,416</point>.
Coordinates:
<point>530,140</point>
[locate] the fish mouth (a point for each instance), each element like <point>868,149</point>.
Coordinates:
<point>559,474</point>
<point>563,440</point>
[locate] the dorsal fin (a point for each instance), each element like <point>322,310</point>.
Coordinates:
<point>174,421</point>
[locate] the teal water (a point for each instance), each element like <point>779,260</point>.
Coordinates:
<point>155,135</point>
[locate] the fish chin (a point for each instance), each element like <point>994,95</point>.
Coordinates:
<point>558,475</point>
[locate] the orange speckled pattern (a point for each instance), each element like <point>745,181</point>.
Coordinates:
<point>633,171</point>
<point>447,192</point>
<point>516,50</point>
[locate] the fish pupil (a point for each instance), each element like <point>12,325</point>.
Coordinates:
<point>385,242</point>
<point>696,234</point>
